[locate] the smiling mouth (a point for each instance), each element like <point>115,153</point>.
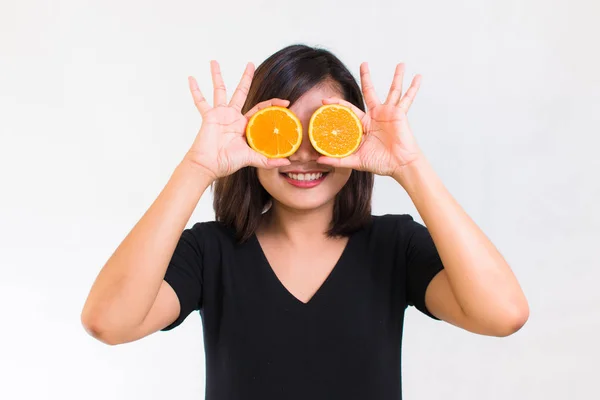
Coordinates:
<point>305,177</point>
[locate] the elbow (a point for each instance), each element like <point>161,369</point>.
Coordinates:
<point>512,320</point>
<point>97,328</point>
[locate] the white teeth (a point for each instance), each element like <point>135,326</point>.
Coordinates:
<point>306,177</point>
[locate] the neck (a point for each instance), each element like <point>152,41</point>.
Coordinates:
<point>299,225</point>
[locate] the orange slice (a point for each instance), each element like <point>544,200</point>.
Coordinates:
<point>275,132</point>
<point>335,130</point>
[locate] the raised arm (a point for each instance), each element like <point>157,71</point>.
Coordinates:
<point>476,290</point>
<point>130,299</point>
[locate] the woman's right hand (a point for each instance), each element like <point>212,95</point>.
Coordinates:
<point>220,148</point>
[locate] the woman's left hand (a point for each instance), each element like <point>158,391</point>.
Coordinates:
<point>388,144</point>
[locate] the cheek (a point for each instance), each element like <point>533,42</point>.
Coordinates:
<point>340,177</point>
<point>267,177</point>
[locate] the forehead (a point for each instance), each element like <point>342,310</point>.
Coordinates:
<point>311,100</point>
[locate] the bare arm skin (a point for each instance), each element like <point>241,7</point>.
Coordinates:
<point>477,290</point>
<point>130,299</point>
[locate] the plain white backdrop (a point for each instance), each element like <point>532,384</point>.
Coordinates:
<point>95,114</point>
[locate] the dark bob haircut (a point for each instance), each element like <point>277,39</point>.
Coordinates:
<point>239,199</point>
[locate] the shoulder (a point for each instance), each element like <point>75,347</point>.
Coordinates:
<point>210,235</point>
<point>391,219</point>
<point>387,233</point>
<point>393,224</point>
<point>394,230</point>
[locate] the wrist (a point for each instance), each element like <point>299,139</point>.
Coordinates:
<point>197,172</point>
<point>412,175</point>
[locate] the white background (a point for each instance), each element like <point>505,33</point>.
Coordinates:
<point>95,114</point>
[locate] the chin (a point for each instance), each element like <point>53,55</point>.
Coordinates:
<point>303,203</point>
<point>304,192</point>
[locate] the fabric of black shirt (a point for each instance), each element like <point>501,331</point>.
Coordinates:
<point>263,343</point>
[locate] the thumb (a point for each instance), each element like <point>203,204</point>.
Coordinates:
<point>260,161</point>
<point>351,161</point>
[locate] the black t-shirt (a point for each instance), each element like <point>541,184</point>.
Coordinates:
<point>263,343</point>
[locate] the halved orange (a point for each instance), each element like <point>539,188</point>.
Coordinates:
<point>275,132</point>
<point>335,130</point>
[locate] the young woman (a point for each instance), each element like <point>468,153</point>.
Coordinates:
<point>301,290</point>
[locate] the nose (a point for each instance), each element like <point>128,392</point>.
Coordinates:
<point>306,152</point>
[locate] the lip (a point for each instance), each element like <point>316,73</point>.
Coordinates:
<point>304,184</point>
<point>308,171</point>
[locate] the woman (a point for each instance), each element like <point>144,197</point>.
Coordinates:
<point>302,291</point>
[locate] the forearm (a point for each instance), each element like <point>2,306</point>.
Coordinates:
<point>482,282</point>
<point>127,285</point>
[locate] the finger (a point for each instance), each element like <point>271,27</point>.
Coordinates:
<point>241,92</point>
<point>367,87</point>
<point>199,99</point>
<point>260,161</point>
<point>351,161</point>
<point>220,93</point>
<point>410,94</point>
<point>396,89</point>
<point>265,104</point>
<point>336,100</point>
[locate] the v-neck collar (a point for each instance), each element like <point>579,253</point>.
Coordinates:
<point>281,289</point>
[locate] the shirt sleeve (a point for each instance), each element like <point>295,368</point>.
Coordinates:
<point>422,263</point>
<point>184,273</point>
